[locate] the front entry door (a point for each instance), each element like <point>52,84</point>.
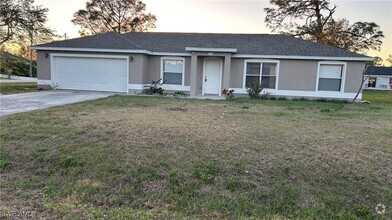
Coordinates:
<point>212,76</point>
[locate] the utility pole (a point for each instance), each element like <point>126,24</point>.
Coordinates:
<point>31,52</point>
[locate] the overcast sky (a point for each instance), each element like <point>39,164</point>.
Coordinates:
<point>225,16</point>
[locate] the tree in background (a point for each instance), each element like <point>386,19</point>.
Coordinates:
<point>113,15</point>
<point>313,20</point>
<point>23,24</point>
<point>389,60</point>
<point>376,62</point>
<point>20,20</point>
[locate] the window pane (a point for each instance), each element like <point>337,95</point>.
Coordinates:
<point>251,79</point>
<point>173,66</point>
<point>329,84</point>
<point>269,69</point>
<point>253,68</point>
<point>330,71</point>
<point>172,78</point>
<point>372,82</point>
<point>268,82</point>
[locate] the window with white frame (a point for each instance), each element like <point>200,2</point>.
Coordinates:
<point>372,82</point>
<point>330,77</point>
<point>172,71</point>
<point>261,72</point>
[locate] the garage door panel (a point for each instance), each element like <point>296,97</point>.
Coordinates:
<point>100,74</point>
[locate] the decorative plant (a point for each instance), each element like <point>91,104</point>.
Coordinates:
<point>154,88</point>
<point>54,86</point>
<point>228,93</point>
<point>254,89</point>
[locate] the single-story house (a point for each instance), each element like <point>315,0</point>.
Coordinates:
<point>9,56</point>
<point>201,64</point>
<point>378,77</point>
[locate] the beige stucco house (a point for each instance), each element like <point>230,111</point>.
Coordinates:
<point>201,64</point>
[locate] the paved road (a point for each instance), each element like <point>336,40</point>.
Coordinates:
<point>11,104</point>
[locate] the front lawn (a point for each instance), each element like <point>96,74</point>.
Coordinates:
<point>12,88</point>
<point>146,157</point>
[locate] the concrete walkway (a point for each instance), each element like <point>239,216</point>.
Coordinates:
<point>17,79</point>
<point>11,104</point>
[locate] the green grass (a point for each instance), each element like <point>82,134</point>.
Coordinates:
<point>12,88</point>
<point>377,96</point>
<point>135,157</point>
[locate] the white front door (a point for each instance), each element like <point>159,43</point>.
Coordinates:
<point>212,76</point>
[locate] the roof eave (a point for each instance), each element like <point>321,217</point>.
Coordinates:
<point>90,49</point>
<point>365,59</point>
<point>249,56</point>
<point>211,49</point>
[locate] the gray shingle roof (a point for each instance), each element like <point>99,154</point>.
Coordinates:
<point>9,56</point>
<point>253,44</point>
<point>379,71</point>
<point>110,40</point>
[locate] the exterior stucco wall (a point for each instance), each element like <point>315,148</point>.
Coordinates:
<point>199,77</point>
<point>294,75</point>
<point>354,74</point>
<point>300,75</point>
<point>237,73</point>
<point>43,66</point>
<point>297,75</point>
<point>153,70</point>
<point>137,68</point>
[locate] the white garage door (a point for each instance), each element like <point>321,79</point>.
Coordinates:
<point>85,73</point>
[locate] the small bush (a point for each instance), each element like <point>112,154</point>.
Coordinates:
<point>228,93</point>
<point>154,88</point>
<point>282,98</point>
<point>254,89</point>
<point>21,68</point>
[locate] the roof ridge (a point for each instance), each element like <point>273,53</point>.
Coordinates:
<point>129,41</point>
<point>201,33</point>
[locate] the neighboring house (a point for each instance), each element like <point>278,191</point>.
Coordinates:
<point>380,78</point>
<point>9,56</point>
<point>201,64</point>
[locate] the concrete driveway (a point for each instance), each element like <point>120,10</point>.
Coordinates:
<point>11,104</point>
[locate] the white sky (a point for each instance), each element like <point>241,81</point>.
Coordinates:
<point>225,16</point>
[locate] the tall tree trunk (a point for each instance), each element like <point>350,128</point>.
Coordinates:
<point>319,16</point>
